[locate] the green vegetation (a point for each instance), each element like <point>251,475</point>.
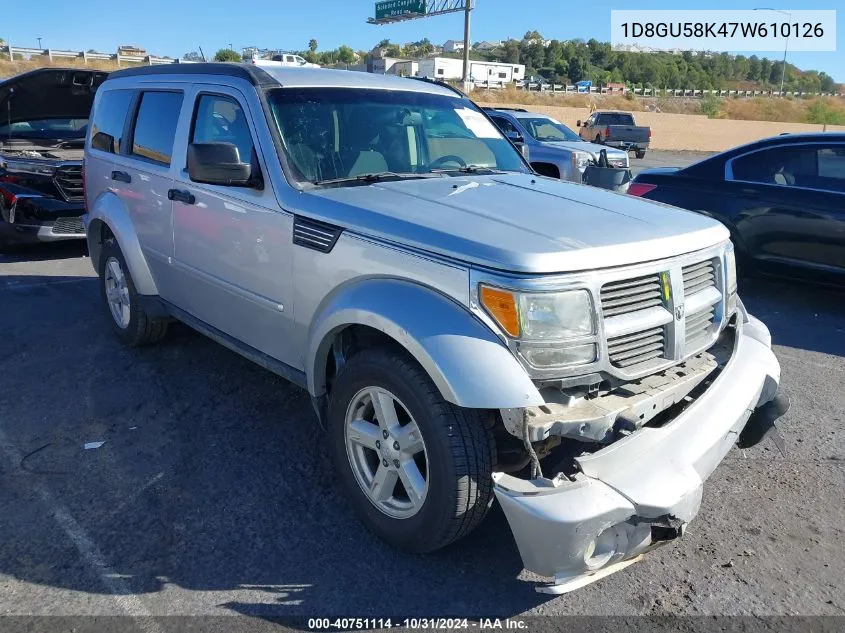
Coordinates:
<point>825,113</point>
<point>576,60</point>
<point>711,106</point>
<point>227,55</point>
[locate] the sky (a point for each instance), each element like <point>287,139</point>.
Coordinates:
<point>174,27</point>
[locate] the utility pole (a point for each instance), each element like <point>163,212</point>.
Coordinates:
<point>785,45</point>
<point>466,41</point>
<point>39,41</point>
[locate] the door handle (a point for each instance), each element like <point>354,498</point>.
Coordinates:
<point>179,195</point>
<point>121,176</point>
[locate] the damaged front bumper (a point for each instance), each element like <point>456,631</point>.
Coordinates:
<point>643,488</point>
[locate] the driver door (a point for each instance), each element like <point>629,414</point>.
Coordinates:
<point>232,244</point>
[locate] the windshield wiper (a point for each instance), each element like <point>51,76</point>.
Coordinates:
<point>466,169</point>
<point>370,178</point>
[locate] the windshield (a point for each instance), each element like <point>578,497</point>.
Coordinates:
<point>342,133</point>
<point>544,129</point>
<point>58,129</point>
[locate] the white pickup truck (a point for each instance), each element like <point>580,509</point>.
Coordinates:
<point>287,59</point>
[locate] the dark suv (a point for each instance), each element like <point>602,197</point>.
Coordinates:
<point>43,123</point>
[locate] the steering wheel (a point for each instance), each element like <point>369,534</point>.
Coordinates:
<point>448,158</point>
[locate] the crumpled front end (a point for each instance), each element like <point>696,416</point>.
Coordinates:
<point>642,489</point>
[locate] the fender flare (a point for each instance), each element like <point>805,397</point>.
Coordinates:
<point>108,209</point>
<point>467,362</point>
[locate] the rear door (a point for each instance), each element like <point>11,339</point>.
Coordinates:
<point>794,199</point>
<point>232,244</point>
<point>141,174</point>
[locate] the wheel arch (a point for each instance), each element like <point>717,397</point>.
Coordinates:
<point>108,216</point>
<point>545,168</point>
<point>467,362</point>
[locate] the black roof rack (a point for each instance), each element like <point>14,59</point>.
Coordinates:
<point>507,109</point>
<point>251,73</point>
<point>444,84</point>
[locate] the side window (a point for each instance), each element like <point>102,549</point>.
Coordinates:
<point>503,124</point>
<point>220,119</point>
<point>155,126</point>
<point>832,168</point>
<point>109,120</point>
<point>439,71</point>
<point>808,166</point>
<point>289,58</point>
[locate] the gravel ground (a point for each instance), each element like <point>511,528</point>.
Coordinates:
<point>214,494</point>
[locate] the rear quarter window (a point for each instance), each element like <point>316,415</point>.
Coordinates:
<point>109,120</point>
<point>155,126</point>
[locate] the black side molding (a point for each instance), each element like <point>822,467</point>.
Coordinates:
<point>316,235</point>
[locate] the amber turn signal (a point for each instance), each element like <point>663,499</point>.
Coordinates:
<point>501,305</point>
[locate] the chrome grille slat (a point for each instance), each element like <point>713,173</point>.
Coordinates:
<point>629,362</point>
<point>633,298</point>
<point>630,295</point>
<point>627,338</point>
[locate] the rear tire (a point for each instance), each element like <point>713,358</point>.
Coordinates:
<point>121,301</point>
<point>640,154</point>
<point>456,452</point>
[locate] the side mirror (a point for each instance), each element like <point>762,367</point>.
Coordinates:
<point>515,137</point>
<point>578,123</point>
<point>218,164</point>
<point>103,142</point>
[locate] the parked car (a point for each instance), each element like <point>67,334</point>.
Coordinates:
<point>43,122</point>
<point>553,149</point>
<point>454,318</point>
<point>782,198</point>
<point>616,129</point>
<point>288,59</point>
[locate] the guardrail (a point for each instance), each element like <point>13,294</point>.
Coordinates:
<point>53,54</point>
<point>655,92</point>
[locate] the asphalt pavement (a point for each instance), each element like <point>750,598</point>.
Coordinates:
<point>213,492</point>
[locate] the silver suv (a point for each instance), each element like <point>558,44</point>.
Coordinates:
<point>466,328</point>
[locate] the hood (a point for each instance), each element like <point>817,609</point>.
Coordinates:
<point>49,93</point>
<point>517,222</point>
<point>583,146</point>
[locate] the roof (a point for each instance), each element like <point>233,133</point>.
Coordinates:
<point>290,76</point>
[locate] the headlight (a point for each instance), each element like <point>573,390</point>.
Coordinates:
<point>582,160</point>
<point>730,279</point>
<point>553,329</point>
<point>28,167</point>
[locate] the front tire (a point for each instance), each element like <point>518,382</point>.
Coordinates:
<point>416,469</point>
<point>598,139</point>
<point>641,154</point>
<point>121,300</point>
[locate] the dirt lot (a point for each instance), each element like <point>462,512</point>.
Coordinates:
<point>687,131</point>
<point>214,494</point>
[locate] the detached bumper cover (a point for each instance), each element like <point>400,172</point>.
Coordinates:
<point>639,489</point>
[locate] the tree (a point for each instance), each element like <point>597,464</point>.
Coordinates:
<point>90,50</point>
<point>227,55</point>
<point>345,55</point>
<point>193,56</point>
<point>312,45</point>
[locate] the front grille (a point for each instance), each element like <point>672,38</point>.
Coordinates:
<point>639,347</point>
<point>68,181</point>
<point>698,277</point>
<point>630,295</point>
<point>68,226</point>
<point>641,337</point>
<point>699,330</point>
